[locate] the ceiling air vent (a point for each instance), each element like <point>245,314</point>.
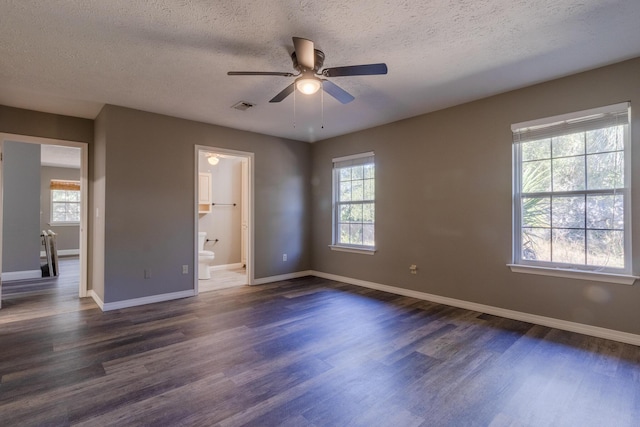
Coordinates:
<point>243,105</point>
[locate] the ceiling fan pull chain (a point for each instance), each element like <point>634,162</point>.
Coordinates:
<point>294,108</point>
<point>322,108</point>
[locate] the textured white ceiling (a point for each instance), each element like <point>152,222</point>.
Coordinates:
<point>171,57</point>
<point>59,156</point>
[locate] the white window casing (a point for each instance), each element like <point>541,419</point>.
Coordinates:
<point>65,202</point>
<point>571,195</point>
<point>354,204</point>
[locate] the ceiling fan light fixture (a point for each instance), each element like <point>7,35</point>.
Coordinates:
<point>308,85</point>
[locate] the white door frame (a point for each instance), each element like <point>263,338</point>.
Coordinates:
<point>247,206</point>
<point>244,221</point>
<point>84,197</point>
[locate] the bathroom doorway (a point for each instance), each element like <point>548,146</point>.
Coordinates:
<point>224,223</point>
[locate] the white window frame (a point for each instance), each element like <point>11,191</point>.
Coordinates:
<point>558,125</point>
<point>52,202</point>
<point>338,163</point>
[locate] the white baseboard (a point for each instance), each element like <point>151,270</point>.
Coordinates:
<point>21,275</point>
<point>62,252</point>
<point>108,306</point>
<point>226,266</point>
<point>287,276</point>
<point>96,298</point>
<point>551,322</point>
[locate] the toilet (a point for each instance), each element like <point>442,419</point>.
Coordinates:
<point>204,257</point>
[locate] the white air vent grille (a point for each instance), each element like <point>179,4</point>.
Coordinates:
<point>243,105</point>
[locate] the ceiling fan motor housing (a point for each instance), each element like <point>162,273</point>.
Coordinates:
<point>319,60</point>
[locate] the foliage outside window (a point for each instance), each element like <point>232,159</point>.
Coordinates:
<point>571,185</point>
<point>65,202</point>
<point>354,201</point>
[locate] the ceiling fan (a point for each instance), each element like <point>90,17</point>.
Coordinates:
<point>307,61</point>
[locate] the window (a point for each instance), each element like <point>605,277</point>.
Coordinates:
<point>354,203</point>
<point>571,191</point>
<point>65,202</point>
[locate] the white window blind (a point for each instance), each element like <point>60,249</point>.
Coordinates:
<point>354,160</point>
<point>597,118</point>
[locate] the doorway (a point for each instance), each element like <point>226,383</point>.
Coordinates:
<point>224,218</point>
<point>45,161</point>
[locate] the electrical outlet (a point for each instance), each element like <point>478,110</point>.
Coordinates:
<point>413,269</point>
<point>147,273</point>
<point>185,269</point>
<point>284,257</point>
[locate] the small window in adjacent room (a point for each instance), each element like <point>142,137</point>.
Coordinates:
<point>354,203</point>
<point>572,192</point>
<point>65,202</point>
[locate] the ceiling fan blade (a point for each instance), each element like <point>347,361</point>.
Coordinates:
<point>356,70</point>
<point>337,92</point>
<point>259,73</point>
<point>285,92</point>
<point>304,53</point>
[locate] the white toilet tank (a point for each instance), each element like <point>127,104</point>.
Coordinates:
<point>202,238</point>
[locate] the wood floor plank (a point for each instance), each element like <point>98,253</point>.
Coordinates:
<point>302,352</point>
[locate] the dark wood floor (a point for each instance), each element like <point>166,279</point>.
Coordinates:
<point>305,352</point>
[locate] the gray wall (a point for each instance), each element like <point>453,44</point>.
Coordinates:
<point>443,202</point>
<point>96,214</point>
<point>148,162</point>
<point>45,125</point>
<point>67,236</point>
<point>223,222</point>
<point>21,207</point>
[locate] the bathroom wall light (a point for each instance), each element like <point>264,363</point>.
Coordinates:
<point>212,159</point>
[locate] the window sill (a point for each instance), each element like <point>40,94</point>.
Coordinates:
<point>64,224</point>
<point>364,251</point>
<point>621,279</point>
